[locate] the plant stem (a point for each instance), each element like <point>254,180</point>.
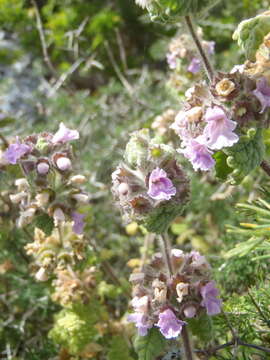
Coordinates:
<point>166,252</point>
<point>206,62</point>
<point>186,343</point>
<point>165,246</point>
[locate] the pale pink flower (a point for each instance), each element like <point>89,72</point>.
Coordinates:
<point>169,326</point>
<point>64,135</point>
<point>262,93</point>
<point>210,301</point>
<point>218,132</point>
<point>198,154</point>
<point>160,186</point>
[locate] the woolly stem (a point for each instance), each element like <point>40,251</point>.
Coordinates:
<point>206,62</point>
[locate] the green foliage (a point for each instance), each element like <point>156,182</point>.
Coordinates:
<point>173,10</point>
<point>251,32</point>
<point>202,327</point>
<point>45,223</point>
<point>159,219</point>
<point>119,349</point>
<point>73,328</point>
<point>150,346</point>
<point>245,156</point>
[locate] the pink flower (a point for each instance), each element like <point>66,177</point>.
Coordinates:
<point>78,224</point>
<point>140,320</point>
<point>16,151</point>
<point>194,66</point>
<point>262,93</point>
<point>160,186</point>
<point>219,129</point>
<point>198,154</point>
<point>209,294</point>
<point>169,326</point>
<point>64,135</point>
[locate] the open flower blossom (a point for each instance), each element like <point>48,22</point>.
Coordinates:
<point>210,301</point>
<point>172,60</point>
<point>64,135</point>
<point>169,325</point>
<point>194,66</point>
<point>160,186</point>
<point>262,93</point>
<point>140,321</point>
<point>219,129</point>
<point>198,154</point>
<point>15,151</point>
<point>78,224</point>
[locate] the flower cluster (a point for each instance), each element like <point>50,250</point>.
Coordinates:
<point>215,118</point>
<point>169,301</point>
<point>161,123</point>
<point>49,185</point>
<point>55,252</point>
<point>150,185</point>
<point>183,59</point>
<point>71,287</point>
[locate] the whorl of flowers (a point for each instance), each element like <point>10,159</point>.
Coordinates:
<point>169,301</point>
<point>55,252</point>
<point>50,185</point>
<point>71,287</point>
<point>150,186</point>
<point>215,119</point>
<point>183,54</point>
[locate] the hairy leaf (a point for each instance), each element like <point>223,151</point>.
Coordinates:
<point>150,346</point>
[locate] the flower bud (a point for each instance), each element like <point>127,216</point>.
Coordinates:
<point>82,198</point>
<point>63,163</point>
<point>43,168</point>
<point>123,189</point>
<point>190,311</point>
<point>17,198</point>
<point>41,275</point>
<point>22,184</point>
<point>58,215</point>
<point>78,179</point>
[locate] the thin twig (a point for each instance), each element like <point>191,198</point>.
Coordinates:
<point>166,252</point>
<point>206,62</point>
<point>44,45</point>
<point>117,70</point>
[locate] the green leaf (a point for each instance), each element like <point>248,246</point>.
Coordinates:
<point>150,346</point>
<point>244,248</point>
<point>202,327</point>
<point>119,349</point>
<point>172,10</point>
<point>251,32</point>
<point>245,156</point>
<point>45,223</point>
<point>221,167</point>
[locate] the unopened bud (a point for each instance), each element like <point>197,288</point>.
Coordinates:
<point>190,311</point>
<point>181,290</point>
<point>41,275</point>
<point>78,179</point>
<point>58,215</point>
<point>63,163</point>
<point>82,198</point>
<point>17,198</point>
<point>123,188</point>
<point>43,168</point>
<point>22,184</point>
